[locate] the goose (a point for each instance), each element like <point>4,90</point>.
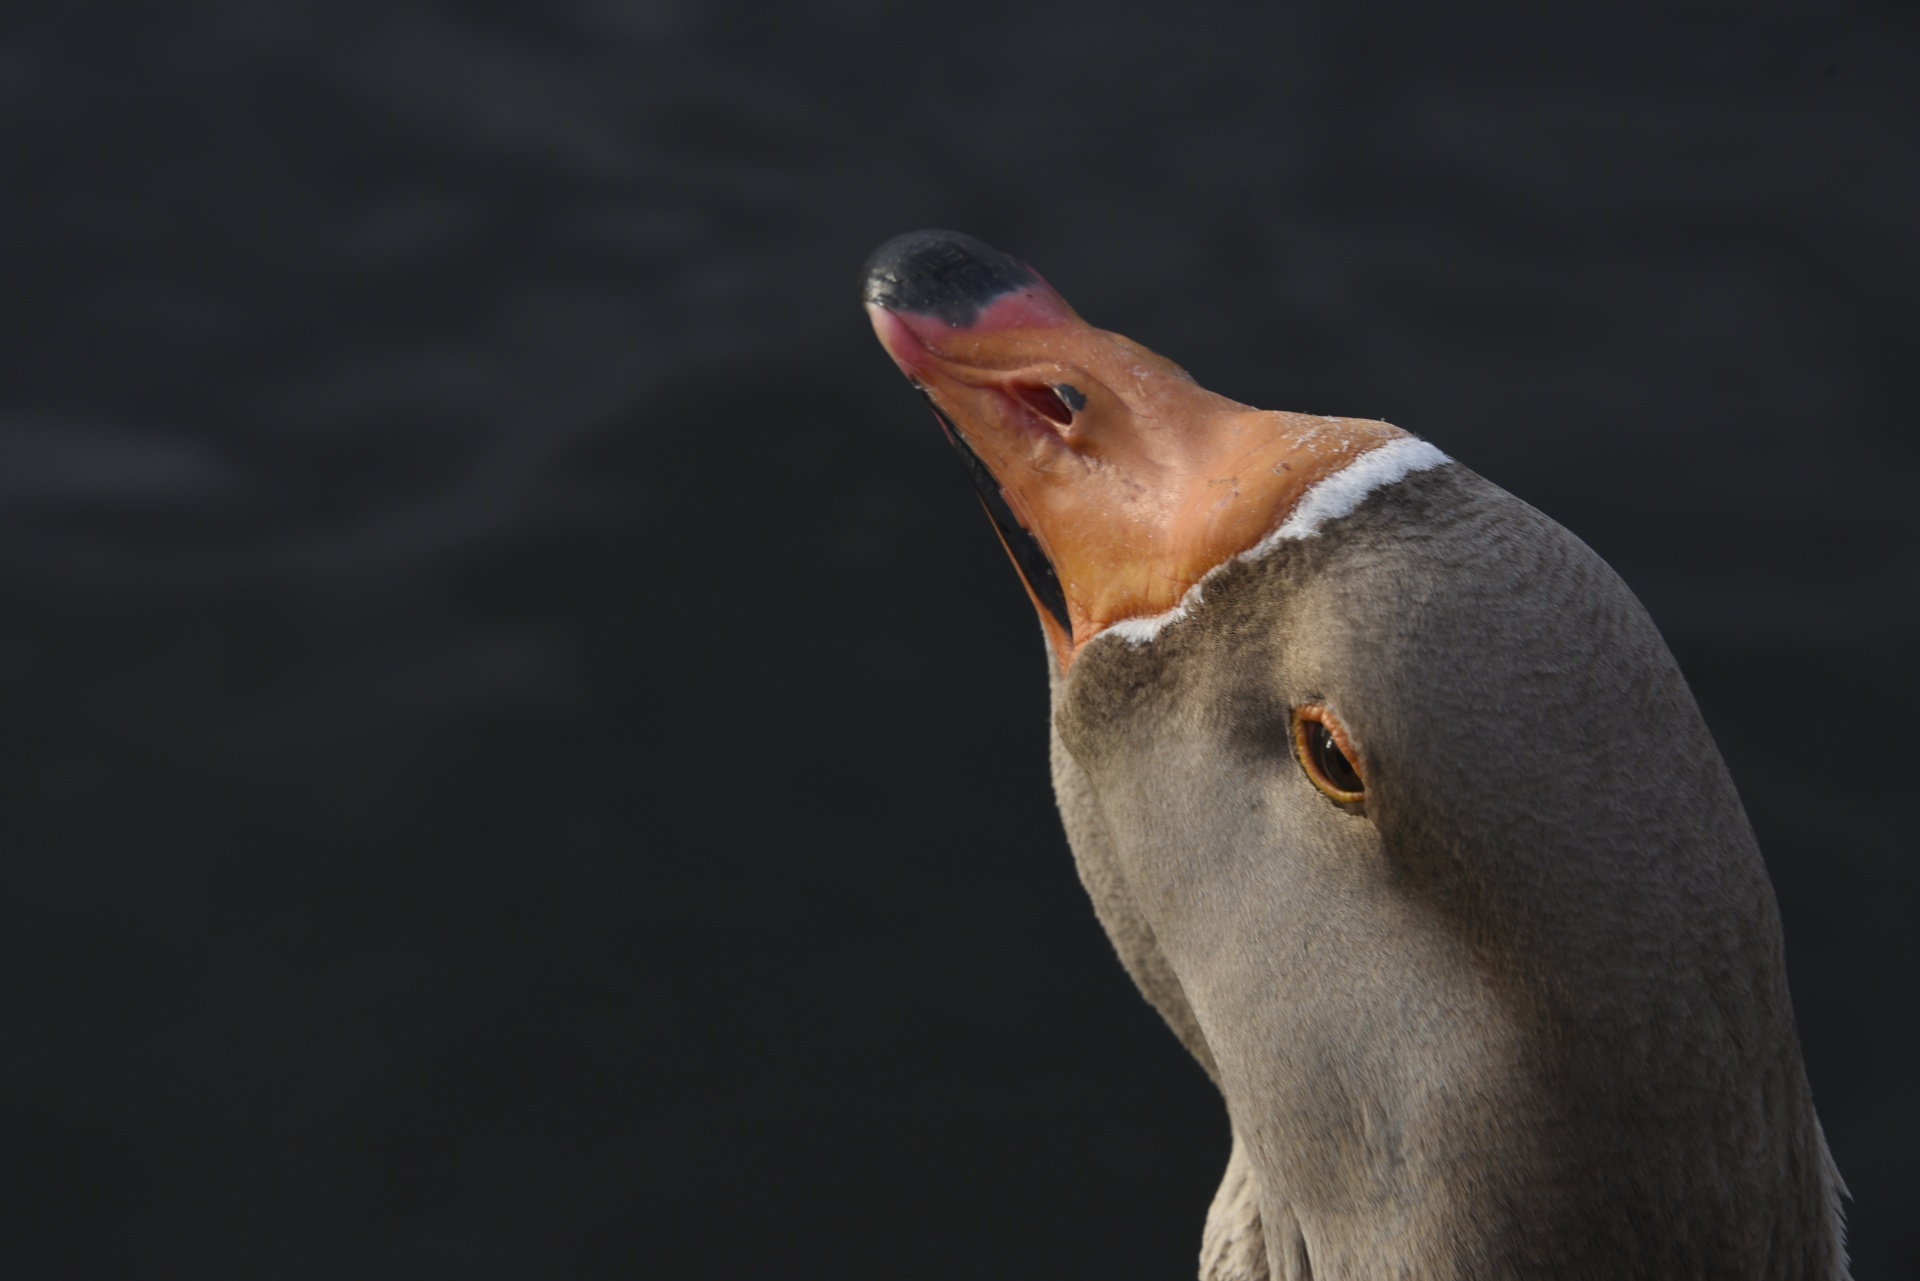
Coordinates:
<point>1396,807</point>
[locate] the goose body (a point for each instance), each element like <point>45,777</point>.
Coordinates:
<point>1397,808</point>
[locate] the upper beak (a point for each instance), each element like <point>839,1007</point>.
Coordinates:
<point>1117,482</point>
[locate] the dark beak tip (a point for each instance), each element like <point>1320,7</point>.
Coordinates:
<point>947,274</point>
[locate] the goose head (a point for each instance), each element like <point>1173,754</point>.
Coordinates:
<point>1397,807</point>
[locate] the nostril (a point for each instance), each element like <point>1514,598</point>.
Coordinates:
<point>1050,403</point>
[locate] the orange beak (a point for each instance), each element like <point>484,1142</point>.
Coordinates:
<point>1116,482</point>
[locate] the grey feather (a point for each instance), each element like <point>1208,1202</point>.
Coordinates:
<point>1527,1015</point>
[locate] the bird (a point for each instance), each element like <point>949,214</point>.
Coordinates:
<point>1396,806</point>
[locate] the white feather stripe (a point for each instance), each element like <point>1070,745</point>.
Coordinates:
<point>1328,499</point>
<point>1337,495</point>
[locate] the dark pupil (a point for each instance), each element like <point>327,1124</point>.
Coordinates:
<point>1332,762</point>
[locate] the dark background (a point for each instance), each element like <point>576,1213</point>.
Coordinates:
<point>522,757</point>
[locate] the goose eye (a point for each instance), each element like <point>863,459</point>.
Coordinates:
<point>1326,755</point>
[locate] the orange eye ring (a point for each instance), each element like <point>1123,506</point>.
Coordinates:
<point>1326,753</point>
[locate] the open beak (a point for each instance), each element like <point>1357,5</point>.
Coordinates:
<point>1115,482</point>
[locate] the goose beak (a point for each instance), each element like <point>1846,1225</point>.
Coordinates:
<point>1115,481</point>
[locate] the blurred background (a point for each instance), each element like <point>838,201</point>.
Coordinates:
<point>523,757</point>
